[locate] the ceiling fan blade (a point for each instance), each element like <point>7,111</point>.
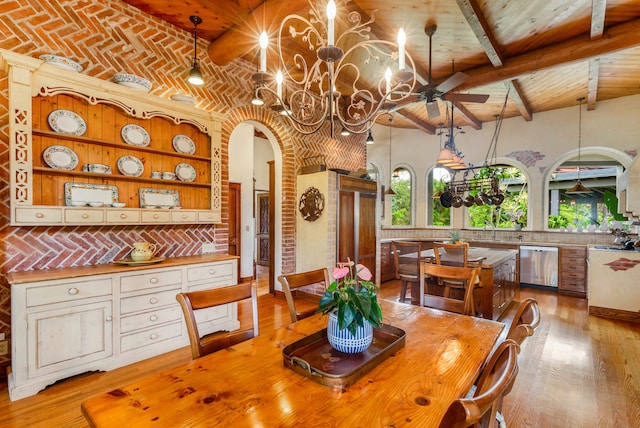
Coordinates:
<point>403,104</point>
<point>452,82</point>
<point>466,98</point>
<point>433,110</point>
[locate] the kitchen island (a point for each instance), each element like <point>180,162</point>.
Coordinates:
<point>613,290</point>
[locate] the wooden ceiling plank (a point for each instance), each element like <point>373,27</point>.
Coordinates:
<point>463,112</point>
<point>481,28</point>
<point>242,38</point>
<point>592,91</point>
<point>515,92</point>
<point>598,12</point>
<point>620,37</point>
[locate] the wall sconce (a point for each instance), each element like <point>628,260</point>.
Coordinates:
<point>195,76</point>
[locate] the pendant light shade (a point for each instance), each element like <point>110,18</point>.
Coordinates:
<point>578,188</point>
<point>195,75</point>
<point>370,138</point>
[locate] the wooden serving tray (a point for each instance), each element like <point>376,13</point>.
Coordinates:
<point>314,357</point>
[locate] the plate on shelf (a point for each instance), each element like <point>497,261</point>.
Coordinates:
<point>132,262</point>
<point>135,135</point>
<point>79,192</point>
<point>131,166</point>
<point>62,62</point>
<point>67,122</point>
<point>183,144</point>
<point>182,98</point>
<point>185,172</point>
<point>60,157</point>
<point>162,198</point>
<point>132,81</point>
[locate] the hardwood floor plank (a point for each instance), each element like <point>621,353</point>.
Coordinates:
<point>575,371</point>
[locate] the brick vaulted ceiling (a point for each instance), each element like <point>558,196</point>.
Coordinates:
<point>543,53</point>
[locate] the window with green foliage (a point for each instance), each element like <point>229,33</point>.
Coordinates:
<point>440,216</point>
<point>401,202</point>
<point>512,213</point>
<point>590,211</point>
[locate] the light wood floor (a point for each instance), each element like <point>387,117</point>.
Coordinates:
<point>576,371</point>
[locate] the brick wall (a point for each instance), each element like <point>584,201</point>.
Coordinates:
<point>107,37</point>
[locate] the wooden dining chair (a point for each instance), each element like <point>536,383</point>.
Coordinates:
<point>525,321</point>
<point>198,300</point>
<point>496,380</point>
<point>406,255</point>
<point>302,304</point>
<point>428,297</point>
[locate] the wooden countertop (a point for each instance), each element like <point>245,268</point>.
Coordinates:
<point>248,385</point>
<point>108,268</point>
<point>489,256</point>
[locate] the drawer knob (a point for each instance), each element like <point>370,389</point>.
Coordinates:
<point>153,318</point>
<point>184,216</point>
<point>73,291</point>
<point>156,216</point>
<point>153,300</point>
<point>123,216</point>
<point>153,336</point>
<point>85,215</point>
<point>39,215</point>
<point>109,318</point>
<point>212,271</point>
<point>153,280</point>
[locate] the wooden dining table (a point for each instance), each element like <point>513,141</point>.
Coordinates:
<point>247,385</point>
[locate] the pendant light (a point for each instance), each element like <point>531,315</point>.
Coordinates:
<point>390,190</point>
<point>195,76</point>
<point>370,138</point>
<point>578,188</point>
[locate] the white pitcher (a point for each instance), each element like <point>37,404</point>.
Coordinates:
<point>142,251</point>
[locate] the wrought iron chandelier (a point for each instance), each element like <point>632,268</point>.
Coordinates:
<point>330,87</point>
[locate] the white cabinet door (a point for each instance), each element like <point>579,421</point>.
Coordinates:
<point>69,338</point>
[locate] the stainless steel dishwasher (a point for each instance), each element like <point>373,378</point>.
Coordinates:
<point>539,265</point>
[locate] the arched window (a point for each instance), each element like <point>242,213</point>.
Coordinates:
<point>401,201</point>
<point>503,207</point>
<point>438,215</point>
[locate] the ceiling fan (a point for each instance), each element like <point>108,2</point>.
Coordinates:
<point>430,92</point>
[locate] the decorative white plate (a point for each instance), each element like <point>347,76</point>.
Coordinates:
<point>135,135</point>
<point>183,144</point>
<point>62,62</point>
<point>130,165</point>
<point>75,193</point>
<point>132,81</point>
<point>182,98</point>
<point>67,122</point>
<point>185,172</point>
<point>60,157</point>
<point>158,198</point>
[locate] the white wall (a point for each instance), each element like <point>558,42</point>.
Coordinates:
<point>553,134</point>
<point>241,171</point>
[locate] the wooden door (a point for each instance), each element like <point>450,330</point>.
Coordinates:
<point>235,212</point>
<point>346,226</point>
<point>262,235</point>
<point>367,230</point>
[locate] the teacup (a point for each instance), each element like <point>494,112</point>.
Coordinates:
<point>156,174</point>
<point>99,168</point>
<point>168,175</point>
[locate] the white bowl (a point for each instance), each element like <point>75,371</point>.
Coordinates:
<point>182,98</point>
<point>96,204</point>
<point>118,204</point>
<point>62,62</point>
<point>78,203</point>
<point>132,81</point>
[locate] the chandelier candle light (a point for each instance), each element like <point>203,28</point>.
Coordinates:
<point>309,88</point>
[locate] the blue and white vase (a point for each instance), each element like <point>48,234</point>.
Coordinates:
<point>344,341</point>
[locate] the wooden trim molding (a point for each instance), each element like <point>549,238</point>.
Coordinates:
<point>617,314</point>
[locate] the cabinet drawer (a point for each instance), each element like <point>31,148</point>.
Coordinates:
<point>151,336</point>
<point>572,276</point>
<point>573,263</point>
<point>579,287</point>
<point>208,217</point>
<point>38,215</point>
<point>217,271</point>
<point>68,291</point>
<point>574,252</point>
<point>156,216</point>
<point>149,301</point>
<point>123,216</point>
<point>84,216</point>
<point>178,216</point>
<point>148,319</point>
<point>156,279</point>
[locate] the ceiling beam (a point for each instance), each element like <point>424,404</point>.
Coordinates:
<point>419,123</point>
<point>598,11</point>
<point>243,37</point>
<point>592,88</point>
<point>478,23</point>
<point>473,121</point>
<point>515,93</point>
<point>617,38</point>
